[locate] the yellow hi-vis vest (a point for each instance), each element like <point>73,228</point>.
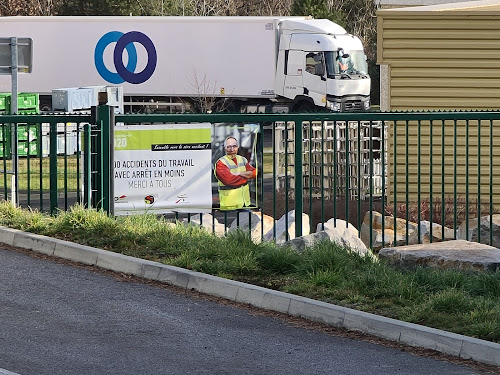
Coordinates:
<point>234,198</point>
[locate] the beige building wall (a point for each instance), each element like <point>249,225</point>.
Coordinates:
<point>442,57</point>
<point>452,154</point>
<point>388,4</point>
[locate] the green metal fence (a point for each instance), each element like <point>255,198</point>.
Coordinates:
<point>434,166</point>
<point>45,160</point>
<point>379,172</point>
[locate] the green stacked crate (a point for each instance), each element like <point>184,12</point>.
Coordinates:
<point>27,134</point>
<point>4,140</point>
<point>4,129</point>
<point>23,147</point>
<point>4,103</point>
<point>27,103</point>
<point>5,146</point>
<point>28,139</point>
<point>34,148</point>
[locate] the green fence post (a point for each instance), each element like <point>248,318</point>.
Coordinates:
<point>358,177</point>
<point>407,183</point>
<point>479,179</point>
<point>5,155</point>
<point>309,173</point>
<point>95,166</point>
<point>299,209</point>
<point>454,178</point>
<point>104,120</point>
<point>260,179</point>
<point>15,163</point>
<point>87,185</point>
<point>274,172</point>
<point>53,167</point>
<point>491,183</point>
<point>286,178</point>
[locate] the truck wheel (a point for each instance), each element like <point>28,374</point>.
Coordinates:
<point>303,107</point>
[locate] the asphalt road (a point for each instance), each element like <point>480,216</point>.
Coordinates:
<point>61,319</point>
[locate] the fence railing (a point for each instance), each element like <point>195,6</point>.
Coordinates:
<point>45,160</point>
<point>380,172</point>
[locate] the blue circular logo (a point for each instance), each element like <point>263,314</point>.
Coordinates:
<point>125,42</point>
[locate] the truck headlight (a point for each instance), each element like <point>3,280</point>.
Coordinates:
<point>367,105</point>
<point>335,106</point>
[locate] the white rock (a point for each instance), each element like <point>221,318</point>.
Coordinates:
<point>437,232</point>
<point>286,224</point>
<point>254,223</point>
<point>342,236</point>
<point>337,225</point>
<point>207,222</point>
<point>386,238</point>
<point>483,232</point>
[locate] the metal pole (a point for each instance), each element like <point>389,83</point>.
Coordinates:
<point>13,109</point>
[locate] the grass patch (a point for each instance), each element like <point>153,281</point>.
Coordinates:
<point>37,172</point>
<point>268,162</point>
<point>462,302</point>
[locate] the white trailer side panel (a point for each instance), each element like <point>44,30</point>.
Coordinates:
<point>195,55</point>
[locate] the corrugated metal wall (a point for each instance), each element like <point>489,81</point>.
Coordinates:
<point>455,173</point>
<point>442,60</point>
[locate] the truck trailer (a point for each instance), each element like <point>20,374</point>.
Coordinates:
<point>236,64</point>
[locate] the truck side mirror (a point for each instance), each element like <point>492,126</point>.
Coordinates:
<point>342,53</point>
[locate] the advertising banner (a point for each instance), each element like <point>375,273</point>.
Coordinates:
<point>245,136</point>
<point>162,168</point>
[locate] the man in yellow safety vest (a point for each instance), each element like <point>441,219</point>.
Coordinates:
<point>233,172</point>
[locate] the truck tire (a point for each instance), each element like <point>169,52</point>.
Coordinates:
<point>304,106</point>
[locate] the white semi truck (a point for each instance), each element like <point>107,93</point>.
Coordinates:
<point>247,64</point>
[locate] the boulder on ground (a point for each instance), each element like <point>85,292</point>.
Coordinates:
<point>481,232</point>
<point>286,224</point>
<point>392,228</point>
<point>256,224</point>
<point>207,222</point>
<point>455,254</point>
<point>336,224</point>
<point>437,232</point>
<point>344,237</point>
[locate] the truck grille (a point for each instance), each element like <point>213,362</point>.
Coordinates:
<point>353,106</point>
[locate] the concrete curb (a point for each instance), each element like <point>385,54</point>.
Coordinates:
<point>6,372</point>
<point>394,330</point>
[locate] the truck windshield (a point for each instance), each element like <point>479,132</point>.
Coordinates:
<point>354,64</point>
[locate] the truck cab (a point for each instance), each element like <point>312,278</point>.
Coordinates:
<point>320,65</point>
